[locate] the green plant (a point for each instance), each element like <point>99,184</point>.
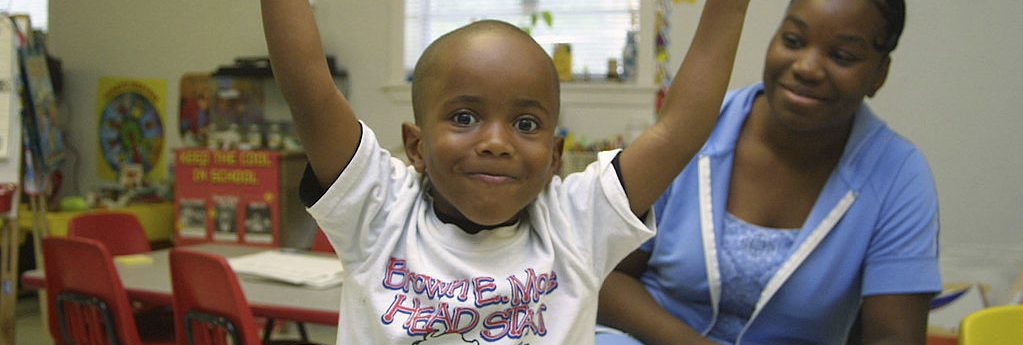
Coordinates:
<point>534,17</point>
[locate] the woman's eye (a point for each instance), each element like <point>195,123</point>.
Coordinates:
<point>464,119</point>
<point>844,58</point>
<point>791,41</point>
<point>527,125</point>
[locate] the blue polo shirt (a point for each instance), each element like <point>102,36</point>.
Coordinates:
<point>873,230</point>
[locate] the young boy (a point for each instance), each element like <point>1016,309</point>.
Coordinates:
<point>477,241</point>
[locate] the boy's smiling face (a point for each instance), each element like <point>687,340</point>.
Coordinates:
<point>485,129</point>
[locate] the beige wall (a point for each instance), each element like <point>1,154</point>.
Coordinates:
<point>954,88</point>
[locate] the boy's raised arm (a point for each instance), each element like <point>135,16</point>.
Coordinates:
<point>690,108</point>
<point>323,119</point>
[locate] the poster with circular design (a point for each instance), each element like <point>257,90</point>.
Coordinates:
<point>131,126</point>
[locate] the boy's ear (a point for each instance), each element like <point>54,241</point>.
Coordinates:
<point>412,136</point>
<point>559,145</point>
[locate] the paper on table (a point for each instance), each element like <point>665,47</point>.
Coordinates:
<point>290,267</point>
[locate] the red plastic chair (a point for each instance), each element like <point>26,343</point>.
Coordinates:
<point>86,302</point>
<point>120,232</point>
<point>209,305</point>
<point>320,243</point>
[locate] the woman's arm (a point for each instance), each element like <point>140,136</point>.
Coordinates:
<point>625,304</point>
<point>895,319</point>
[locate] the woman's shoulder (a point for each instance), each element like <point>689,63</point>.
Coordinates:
<point>894,149</point>
<point>890,162</point>
<point>874,145</point>
<point>878,160</point>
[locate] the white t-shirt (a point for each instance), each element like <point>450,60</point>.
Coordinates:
<point>412,279</point>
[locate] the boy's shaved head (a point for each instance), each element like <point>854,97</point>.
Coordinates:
<point>485,98</point>
<point>435,54</point>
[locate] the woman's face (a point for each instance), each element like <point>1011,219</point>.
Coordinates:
<point>822,61</point>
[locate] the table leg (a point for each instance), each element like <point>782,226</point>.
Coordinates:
<point>8,281</point>
<point>37,204</point>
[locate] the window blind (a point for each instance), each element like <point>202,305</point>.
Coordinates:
<point>36,9</point>
<point>596,29</point>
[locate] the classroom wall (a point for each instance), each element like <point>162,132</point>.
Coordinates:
<point>953,87</point>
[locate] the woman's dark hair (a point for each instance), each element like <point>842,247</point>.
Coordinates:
<point>894,14</point>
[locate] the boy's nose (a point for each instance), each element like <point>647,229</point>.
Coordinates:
<point>495,140</point>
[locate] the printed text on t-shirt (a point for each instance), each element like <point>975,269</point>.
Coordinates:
<point>427,305</point>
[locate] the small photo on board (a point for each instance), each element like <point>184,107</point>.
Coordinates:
<point>192,217</point>
<point>225,227</point>
<point>258,225</point>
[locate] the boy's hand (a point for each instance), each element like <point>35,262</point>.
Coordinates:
<point>690,107</point>
<point>323,119</point>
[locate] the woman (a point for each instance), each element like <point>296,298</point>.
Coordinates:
<point>802,210</point>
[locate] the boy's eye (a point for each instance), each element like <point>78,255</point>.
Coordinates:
<point>464,119</point>
<point>527,125</point>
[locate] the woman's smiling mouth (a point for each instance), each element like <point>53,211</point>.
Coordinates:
<point>802,97</point>
<point>491,178</point>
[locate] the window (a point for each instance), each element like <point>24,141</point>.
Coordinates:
<point>36,10</point>
<point>596,29</point>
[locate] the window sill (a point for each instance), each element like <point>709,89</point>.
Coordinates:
<point>592,94</point>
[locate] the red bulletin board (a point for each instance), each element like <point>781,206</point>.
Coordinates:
<point>226,196</point>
